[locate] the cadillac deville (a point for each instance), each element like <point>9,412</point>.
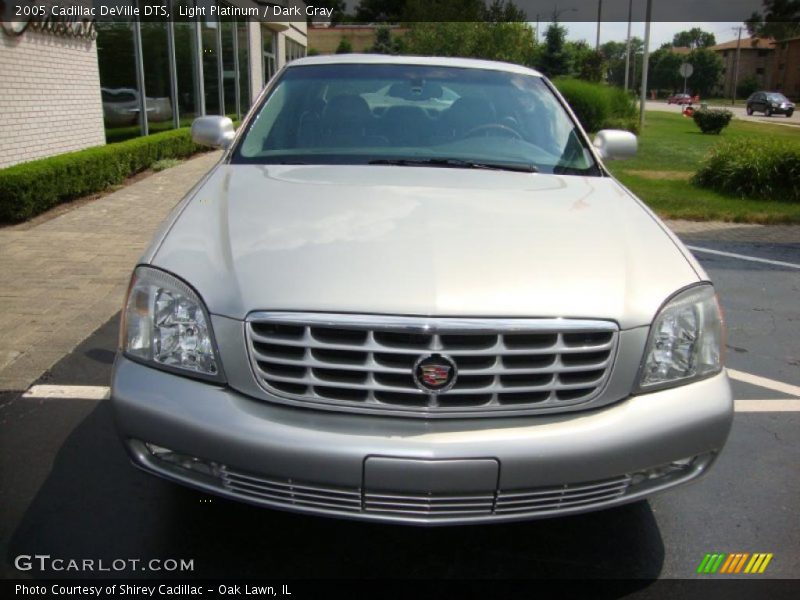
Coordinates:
<point>410,291</point>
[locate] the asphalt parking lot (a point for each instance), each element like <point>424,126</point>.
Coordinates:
<point>69,491</point>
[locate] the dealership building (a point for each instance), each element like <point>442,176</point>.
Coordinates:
<point>70,84</point>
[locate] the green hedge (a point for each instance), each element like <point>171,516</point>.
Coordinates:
<point>29,189</point>
<point>599,106</point>
<point>768,169</point>
<point>712,120</point>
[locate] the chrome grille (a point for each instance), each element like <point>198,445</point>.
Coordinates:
<point>563,497</point>
<point>531,502</point>
<point>291,493</point>
<point>366,362</point>
<point>429,505</point>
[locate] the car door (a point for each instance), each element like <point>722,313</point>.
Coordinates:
<point>760,103</point>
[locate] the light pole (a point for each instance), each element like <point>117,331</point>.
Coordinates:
<point>645,60</point>
<point>599,20</point>
<point>628,45</point>
<point>736,67</point>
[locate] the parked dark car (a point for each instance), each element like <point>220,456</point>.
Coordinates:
<point>770,103</point>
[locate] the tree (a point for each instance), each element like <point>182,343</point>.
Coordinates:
<point>585,62</point>
<point>554,59</point>
<point>395,11</point>
<point>510,42</point>
<point>747,86</point>
<point>664,72</point>
<point>694,38</point>
<point>385,43</point>
<point>614,54</point>
<point>780,20</point>
<point>707,71</point>
<point>592,67</point>
<point>344,47</point>
<point>502,11</point>
<point>372,11</point>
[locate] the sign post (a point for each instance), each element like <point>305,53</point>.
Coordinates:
<point>686,69</point>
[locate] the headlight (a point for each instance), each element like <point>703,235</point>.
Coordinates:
<point>166,325</point>
<point>685,342</point>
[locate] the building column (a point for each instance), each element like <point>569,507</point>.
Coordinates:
<point>256,59</point>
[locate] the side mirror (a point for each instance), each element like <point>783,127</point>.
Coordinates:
<point>216,132</point>
<point>615,144</point>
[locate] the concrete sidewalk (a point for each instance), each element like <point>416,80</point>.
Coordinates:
<point>63,278</point>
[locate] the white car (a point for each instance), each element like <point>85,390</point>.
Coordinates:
<point>426,315</point>
<point>121,107</point>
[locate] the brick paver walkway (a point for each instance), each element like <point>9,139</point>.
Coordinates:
<point>60,280</point>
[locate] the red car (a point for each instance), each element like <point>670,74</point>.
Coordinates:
<point>682,99</point>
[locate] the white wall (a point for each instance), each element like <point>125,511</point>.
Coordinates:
<point>49,96</point>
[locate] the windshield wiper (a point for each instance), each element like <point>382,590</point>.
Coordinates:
<point>455,163</point>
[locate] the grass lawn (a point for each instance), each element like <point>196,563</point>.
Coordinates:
<point>670,149</point>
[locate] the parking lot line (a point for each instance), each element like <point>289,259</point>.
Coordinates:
<point>778,263</point>
<point>770,384</point>
<point>81,392</point>
<point>762,406</point>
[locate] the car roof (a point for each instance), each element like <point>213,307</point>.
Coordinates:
<point>432,61</point>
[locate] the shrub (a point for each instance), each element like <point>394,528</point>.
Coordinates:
<point>599,106</point>
<point>712,120</point>
<point>589,101</point>
<point>29,189</point>
<point>768,169</point>
<point>626,124</point>
<point>344,47</point>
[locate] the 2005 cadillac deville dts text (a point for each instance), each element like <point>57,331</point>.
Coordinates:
<point>410,291</point>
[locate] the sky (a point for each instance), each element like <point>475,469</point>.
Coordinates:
<point>659,32</point>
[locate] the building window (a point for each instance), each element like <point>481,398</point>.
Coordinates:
<point>187,71</point>
<point>269,44</point>
<point>294,50</point>
<point>118,83</point>
<point>763,52</point>
<point>781,66</point>
<point>210,73</point>
<point>211,82</point>
<point>157,76</point>
<point>243,47</point>
<point>229,74</point>
<point>759,70</point>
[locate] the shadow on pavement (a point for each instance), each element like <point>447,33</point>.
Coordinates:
<point>94,504</point>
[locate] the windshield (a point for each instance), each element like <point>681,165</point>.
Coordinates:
<point>776,97</point>
<point>413,115</point>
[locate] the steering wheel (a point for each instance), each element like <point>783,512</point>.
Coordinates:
<point>493,127</point>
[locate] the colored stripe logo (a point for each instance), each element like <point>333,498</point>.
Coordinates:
<point>735,563</point>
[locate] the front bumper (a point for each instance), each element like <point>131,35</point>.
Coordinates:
<point>395,469</point>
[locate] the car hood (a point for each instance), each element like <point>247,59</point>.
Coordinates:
<point>421,241</point>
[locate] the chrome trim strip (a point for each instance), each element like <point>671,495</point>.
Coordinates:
<point>444,325</point>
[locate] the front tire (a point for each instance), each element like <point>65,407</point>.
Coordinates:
<point>749,111</point>
<point>789,114</point>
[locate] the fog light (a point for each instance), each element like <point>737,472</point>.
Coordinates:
<point>190,463</point>
<point>676,466</point>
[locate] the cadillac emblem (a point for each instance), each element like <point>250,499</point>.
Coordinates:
<point>434,373</point>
